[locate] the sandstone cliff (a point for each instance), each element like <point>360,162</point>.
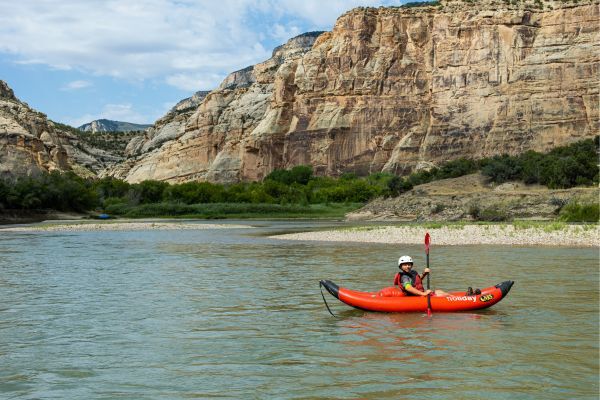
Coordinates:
<point>30,143</point>
<point>393,89</point>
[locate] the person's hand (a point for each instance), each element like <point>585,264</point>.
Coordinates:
<point>426,271</point>
<point>428,292</point>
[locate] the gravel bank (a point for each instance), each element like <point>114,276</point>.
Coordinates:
<point>118,226</point>
<point>459,235</point>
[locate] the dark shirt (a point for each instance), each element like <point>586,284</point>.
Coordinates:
<point>408,278</point>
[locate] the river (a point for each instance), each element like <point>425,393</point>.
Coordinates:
<point>230,314</point>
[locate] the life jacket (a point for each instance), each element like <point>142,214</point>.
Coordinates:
<point>415,280</point>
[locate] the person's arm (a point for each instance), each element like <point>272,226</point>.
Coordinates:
<point>416,291</point>
<point>425,273</point>
<point>411,289</point>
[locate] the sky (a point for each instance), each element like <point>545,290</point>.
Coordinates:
<point>78,61</point>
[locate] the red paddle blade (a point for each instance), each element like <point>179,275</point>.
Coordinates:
<point>427,241</point>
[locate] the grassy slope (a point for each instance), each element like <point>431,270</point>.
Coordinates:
<point>455,199</point>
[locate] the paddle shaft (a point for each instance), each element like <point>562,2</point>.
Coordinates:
<point>427,242</point>
<point>428,267</point>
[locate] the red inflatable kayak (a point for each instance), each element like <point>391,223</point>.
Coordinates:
<point>394,300</point>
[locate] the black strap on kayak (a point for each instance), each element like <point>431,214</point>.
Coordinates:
<point>325,301</point>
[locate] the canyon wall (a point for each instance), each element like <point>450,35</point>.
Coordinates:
<point>31,144</point>
<point>392,89</point>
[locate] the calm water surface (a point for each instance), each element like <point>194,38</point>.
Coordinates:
<point>232,314</point>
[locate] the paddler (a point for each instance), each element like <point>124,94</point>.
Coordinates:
<point>410,282</point>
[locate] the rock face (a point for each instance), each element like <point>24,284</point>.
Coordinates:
<point>31,144</point>
<point>106,125</point>
<point>393,89</point>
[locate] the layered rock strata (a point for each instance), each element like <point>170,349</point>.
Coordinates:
<point>31,144</point>
<point>394,89</point>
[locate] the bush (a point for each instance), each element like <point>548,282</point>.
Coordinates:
<point>300,174</point>
<point>455,168</point>
<point>111,187</point>
<point>439,207</point>
<point>151,191</point>
<point>474,211</point>
<point>194,192</point>
<point>575,212</point>
<point>502,168</point>
<point>397,186</point>
<point>562,167</point>
<point>493,214</point>
<point>413,4</point>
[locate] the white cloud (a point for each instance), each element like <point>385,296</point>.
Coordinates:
<point>191,45</point>
<point>185,81</point>
<point>283,33</point>
<point>76,85</point>
<point>322,14</point>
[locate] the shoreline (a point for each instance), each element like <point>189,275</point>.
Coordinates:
<point>459,235</point>
<point>86,226</point>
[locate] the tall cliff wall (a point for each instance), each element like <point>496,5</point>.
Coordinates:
<point>31,144</point>
<point>394,89</point>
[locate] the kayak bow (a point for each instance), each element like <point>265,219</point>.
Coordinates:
<point>394,300</point>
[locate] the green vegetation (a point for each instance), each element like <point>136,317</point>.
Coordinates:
<point>114,142</point>
<point>563,167</point>
<point>492,214</point>
<point>413,4</point>
<point>57,191</point>
<point>298,193</point>
<point>283,193</point>
<point>231,210</point>
<point>575,212</point>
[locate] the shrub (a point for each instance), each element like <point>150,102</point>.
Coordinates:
<point>194,192</point>
<point>474,211</point>
<point>559,203</point>
<point>493,214</point>
<point>151,191</point>
<point>438,208</point>
<point>455,168</point>
<point>299,174</point>
<point>576,212</point>
<point>397,186</point>
<point>502,168</point>
<point>562,167</point>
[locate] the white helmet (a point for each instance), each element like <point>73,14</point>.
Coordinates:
<point>404,260</point>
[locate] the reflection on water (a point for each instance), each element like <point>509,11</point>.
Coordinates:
<point>231,314</point>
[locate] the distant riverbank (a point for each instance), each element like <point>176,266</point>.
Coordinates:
<point>552,234</point>
<point>117,226</point>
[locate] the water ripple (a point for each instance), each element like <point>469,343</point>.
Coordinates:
<point>229,314</point>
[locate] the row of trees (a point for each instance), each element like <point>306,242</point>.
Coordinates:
<point>562,167</point>
<point>69,192</point>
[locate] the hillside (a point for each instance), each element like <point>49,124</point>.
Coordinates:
<point>472,196</point>
<point>106,125</point>
<point>31,144</point>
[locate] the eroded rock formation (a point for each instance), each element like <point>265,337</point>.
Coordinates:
<point>31,144</point>
<point>392,89</point>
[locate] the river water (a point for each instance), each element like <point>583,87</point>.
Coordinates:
<point>232,314</point>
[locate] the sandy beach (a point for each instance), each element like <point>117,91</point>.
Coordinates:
<point>569,235</point>
<point>117,226</point>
